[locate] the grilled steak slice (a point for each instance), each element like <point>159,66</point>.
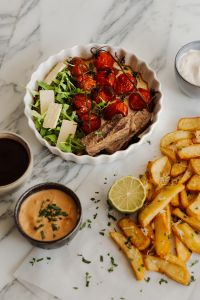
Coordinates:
<point>113,134</point>
<point>138,122</point>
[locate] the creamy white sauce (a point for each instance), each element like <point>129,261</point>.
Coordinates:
<point>189,66</point>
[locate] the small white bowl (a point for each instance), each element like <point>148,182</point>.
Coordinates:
<point>84,51</point>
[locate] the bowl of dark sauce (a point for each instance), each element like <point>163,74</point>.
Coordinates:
<point>16,161</point>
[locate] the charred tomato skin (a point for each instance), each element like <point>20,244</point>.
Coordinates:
<point>82,103</point>
<point>136,102</point>
<point>79,67</point>
<point>90,122</point>
<point>106,77</point>
<point>104,93</point>
<point>86,82</point>
<point>125,83</point>
<point>115,108</point>
<point>103,60</point>
<point>145,94</point>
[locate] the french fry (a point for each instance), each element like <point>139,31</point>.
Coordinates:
<point>159,203</point>
<point>172,250</point>
<point>175,200</point>
<point>183,143</point>
<point>159,171</point>
<point>148,231</point>
<point>192,221</point>
<point>188,236</point>
<point>184,199</point>
<point>194,208</point>
<point>189,152</point>
<point>191,124</point>
<point>182,251</point>
<point>194,183</point>
<point>170,153</point>
<point>196,140</point>
<point>162,244</point>
<point>186,176</point>
<point>134,233</point>
<point>174,271</point>
<point>133,254</point>
<point>168,219</point>
<point>178,168</point>
<point>195,164</point>
<point>175,136</point>
<point>148,186</point>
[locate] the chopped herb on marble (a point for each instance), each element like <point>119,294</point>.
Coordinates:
<point>111,217</point>
<point>75,287</point>
<point>147,279</point>
<point>87,279</point>
<point>192,279</point>
<point>194,263</point>
<point>149,142</point>
<point>86,261</point>
<point>94,216</point>
<point>101,258</point>
<point>162,280</point>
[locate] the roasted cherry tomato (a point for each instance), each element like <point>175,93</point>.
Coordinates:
<point>104,93</point>
<point>103,60</point>
<point>86,82</point>
<point>136,102</point>
<point>79,66</point>
<point>106,77</point>
<point>90,122</point>
<point>115,108</point>
<point>125,83</point>
<point>145,94</point>
<point>82,104</point>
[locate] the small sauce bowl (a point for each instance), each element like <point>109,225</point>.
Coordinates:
<point>42,218</point>
<point>189,89</point>
<point>16,161</point>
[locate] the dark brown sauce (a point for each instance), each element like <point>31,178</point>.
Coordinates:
<point>14,160</point>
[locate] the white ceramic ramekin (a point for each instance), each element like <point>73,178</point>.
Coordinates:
<point>84,51</point>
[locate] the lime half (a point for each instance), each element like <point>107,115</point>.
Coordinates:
<point>127,194</point>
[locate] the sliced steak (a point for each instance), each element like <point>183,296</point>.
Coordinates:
<point>113,134</point>
<point>139,120</point>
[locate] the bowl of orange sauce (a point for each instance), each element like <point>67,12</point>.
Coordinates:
<point>48,215</point>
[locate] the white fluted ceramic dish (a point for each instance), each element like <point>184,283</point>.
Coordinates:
<point>84,51</point>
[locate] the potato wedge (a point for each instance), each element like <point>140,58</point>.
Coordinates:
<point>133,254</point>
<point>178,168</point>
<point>194,208</point>
<point>174,271</point>
<point>183,143</point>
<point>191,124</point>
<point>170,153</point>
<point>187,175</point>
<point>194,183</point>
<point>134,233</point>
<point>192,221</point>
<point>195,165</point>
<point>149,188</point>
<point>158,203</point>
<point>157,169</point>
<point>148,231</point>
<point>182,251</point>
<point>162,244</point>
<point>187,235</point>
<point>175,136</point>
<point>172,250</point>
<point>196,139</point>
<point>189,152</point>
<point>184,199</point>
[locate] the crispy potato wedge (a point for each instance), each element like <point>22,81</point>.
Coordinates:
<point>189,152</point>
<point>178,168</point>
<point>169,218</point>
<point>158,203</point>
<point>159,171</point>
<point>174,271</point>
<point>162,244</point>
<point>188,236</point>
<point>195,165</point>
<point>196,140</point>
<point>187,175</point>
<point>170,153</point>
<point>192,221</point>
<point>133,254</point>
<point>148,231</point>
<point>175,200</point>
<point>183,143</point>
<point>175,136</point>
<point>134,233</point>
<point>194,208</point>
<point>191,124</point>
<point>149,188</point>
<point>182,251</point>
<point>184,199</point>
<point>194,183</point>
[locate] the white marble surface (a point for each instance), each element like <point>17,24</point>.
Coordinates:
<point>31,30</point>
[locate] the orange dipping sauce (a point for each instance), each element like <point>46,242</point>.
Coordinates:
<point>48,215</point>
